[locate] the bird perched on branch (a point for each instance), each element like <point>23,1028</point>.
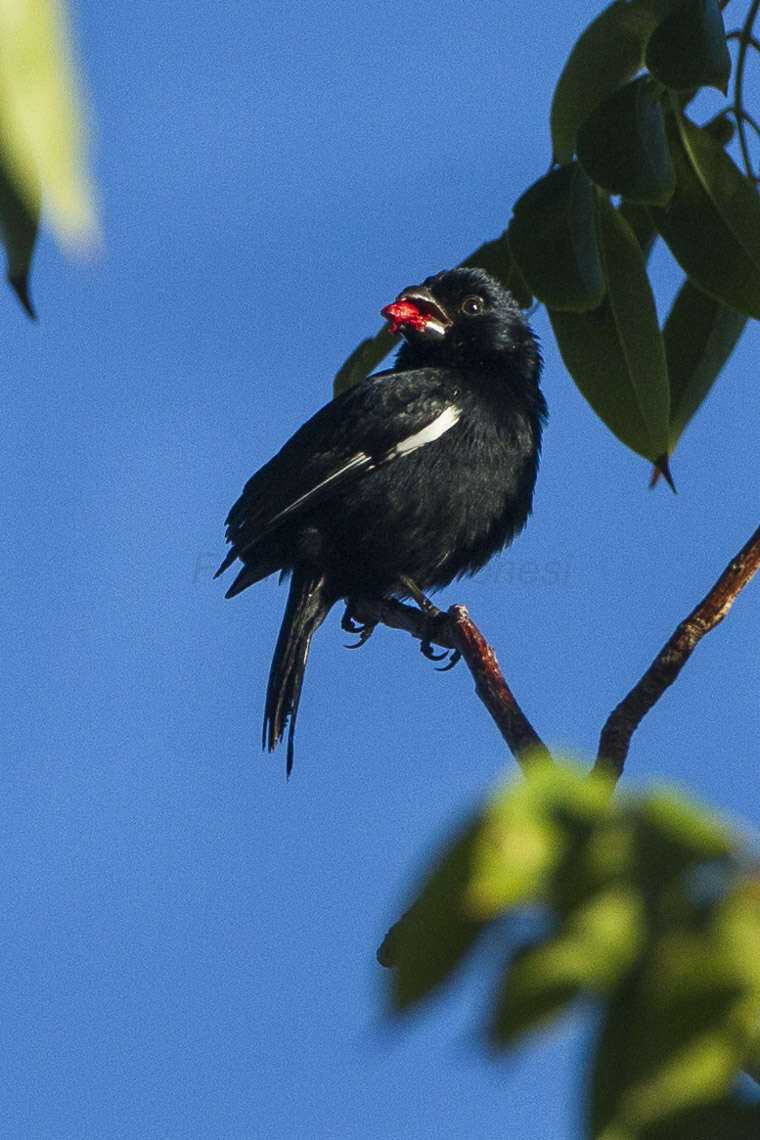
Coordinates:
<point>412,478</point>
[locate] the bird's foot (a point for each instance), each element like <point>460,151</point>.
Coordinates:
<point>432,615</point>
<point>363,630</point>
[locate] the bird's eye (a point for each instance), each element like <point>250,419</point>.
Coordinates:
<point>471,306</point>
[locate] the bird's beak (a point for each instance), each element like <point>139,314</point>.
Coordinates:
<point>417,308</point>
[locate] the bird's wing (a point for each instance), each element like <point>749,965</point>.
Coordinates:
<point>378,420</point>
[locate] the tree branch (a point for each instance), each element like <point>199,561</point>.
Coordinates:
<point>626,718</point>
<point>456,630</point>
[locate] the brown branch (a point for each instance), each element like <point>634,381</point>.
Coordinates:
<point>522,739</point>
<point>456,630</point>
<point>626,718</point>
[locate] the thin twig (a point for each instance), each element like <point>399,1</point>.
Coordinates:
<point>456,630</point>
<point>626,718</point>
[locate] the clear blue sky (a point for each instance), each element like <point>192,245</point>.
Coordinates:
<point>188,942</point>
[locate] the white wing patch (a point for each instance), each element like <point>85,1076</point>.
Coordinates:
<point>361,459</point>
<point>434,430</point>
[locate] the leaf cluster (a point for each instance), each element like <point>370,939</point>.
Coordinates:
<point>631,167</point>
<point>647,907</point>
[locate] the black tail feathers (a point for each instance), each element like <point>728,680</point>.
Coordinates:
<point>307,608</point>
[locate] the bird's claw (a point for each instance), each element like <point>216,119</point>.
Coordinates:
<point>455,656</point>
<point>363,630</point>
<point>426,649</point>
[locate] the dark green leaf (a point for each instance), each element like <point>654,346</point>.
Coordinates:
<point>700,334</point>
<point>436,933</point>
<point>640,221</point>
<point>18,224</point>
<point>688,49</point>
<point>615,354</point>
<point>364,360</point>
<point>622,145</point>
<point>726,1120</point>
<point>608,53</point>
<point>496,258</point>
<point>712,222</point>
<point>553,240</point>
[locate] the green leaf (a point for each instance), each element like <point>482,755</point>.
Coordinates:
<point>18,225</point>
<point>712,222</point>
<point>437,932</point>
<point>364,359</point>
<point>680,1027</point>
<point>40,117</point>
<point>593,948</point>
<point>608,53</point>
<point>726,1120</point>
<point>688,49</point>
<point>640,221</point>
<point>622,146</point>
<point>496,258</point>
<point>525,832</point>
<point>553,240</point>
<point>700,334</point>
<point>615,354</point>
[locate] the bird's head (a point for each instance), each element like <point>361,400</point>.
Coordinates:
<point>462,316</point>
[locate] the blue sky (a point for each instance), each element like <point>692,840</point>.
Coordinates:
<point>188,947</point>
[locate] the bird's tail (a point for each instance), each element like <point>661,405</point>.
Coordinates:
<point>307,608</point>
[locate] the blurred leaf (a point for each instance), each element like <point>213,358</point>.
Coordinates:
<point>526,832</point>
<point>40,118</point>
<point>700,334</point>
<point>688,49</point>
<point>436,933</point>
<point>623,148</point>
<point>640,221</point>
<point>616,354</point>
<point>496,258</point>
<point>726,1120</point>
<point>364,359</point>
<point>18,224</point>
<point>595,946</point>
<point>678,1030</point>
<point>687,827</point>
<point>552,238</point>
<point>712,222</point>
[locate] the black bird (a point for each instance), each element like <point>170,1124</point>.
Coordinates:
<point>413,477</point>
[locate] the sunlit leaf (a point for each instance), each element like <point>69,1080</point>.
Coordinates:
<point>688,49</point>
<point>615,354</point>
<point>40,116</point>
<point>526,832</point>
<point>700,334</point>
<point>553,240</point>
<point>622,145</point>
<point>712,222</point>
